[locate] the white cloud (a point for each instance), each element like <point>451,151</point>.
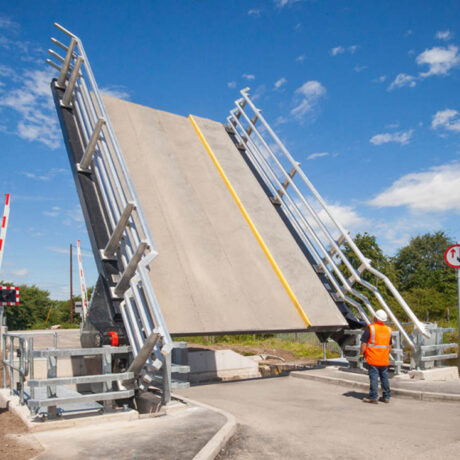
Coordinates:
<point>283,3</point>
<point>439,60</point>
<point>435,190</point>
<point>279,83</point>
<point>248,76</point>
<point>254,12</point>
<point>66,251</point>
<point>380,79</point>
<point>313,156</point>
<point>359,68</point>
<point>8,72</point>
<point>342,50</point>
<point>117,91</point>
<point>51,213</point>
<point>301,58</point>
<point>352,49</point>
<point>393,234</point>
<point>346,216</point>
<point>401,80</point>
<point>231,84</point>
<point>401,137</point>
<point>20,272</point>
<point>33,103</point>
<point>7,24</point>
<point>307,97</point>
<point>444,35</point>
<point>447,119</point>
<point>73,216</point>
<point>53,172</point>
<point>337,50</point>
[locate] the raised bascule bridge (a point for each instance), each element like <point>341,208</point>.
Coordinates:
<point>203,228</point>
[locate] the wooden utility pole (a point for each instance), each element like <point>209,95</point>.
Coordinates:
<point>71,293</point>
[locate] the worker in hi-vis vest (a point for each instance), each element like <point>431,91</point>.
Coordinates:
<point>376,346</point>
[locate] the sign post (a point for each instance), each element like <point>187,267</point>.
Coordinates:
<point>452,258</point>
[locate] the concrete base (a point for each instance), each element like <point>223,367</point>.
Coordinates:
<point>35,424</point>
<point>441,374</point>
<point>211,365</point>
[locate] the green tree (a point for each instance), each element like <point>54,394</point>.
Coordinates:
<point>421,264</point>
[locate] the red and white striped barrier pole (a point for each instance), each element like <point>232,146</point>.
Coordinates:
<point>84,300</point>
<point>6,213</point>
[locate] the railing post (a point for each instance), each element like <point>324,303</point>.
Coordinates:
<point>166,396</point>
<point>91,147</point>
<point>130,270</point>
<point>22,370</point>
<point>11,361</point>
<point>65,67</point>
<point>65,102</point>
<point>32,366</point>
<point>107,369</point>
<point>51,363</point>
<point>115,238</point>
<point>4,359</point>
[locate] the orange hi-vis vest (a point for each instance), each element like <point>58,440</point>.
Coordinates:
<point>378,348</point>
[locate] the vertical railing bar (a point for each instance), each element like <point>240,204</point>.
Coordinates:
<point>135,324</point>
<point>353,271</point>
<point>301,229</point>
<point>65,66</point>
<point>102,188</point>
<point>348,239</point>
<point>123,168</point>
<point>123,199</point>
<point>90,120</point>
<point>129,329</point>
<point>311,232</point>
<point>302,198</point>
<point>302,234</point>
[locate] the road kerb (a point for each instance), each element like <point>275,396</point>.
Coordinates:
<point>420,395</point>
<point>220,439</point>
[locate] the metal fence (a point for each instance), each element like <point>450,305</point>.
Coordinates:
<point>130,239</point>
<point>313,220</point>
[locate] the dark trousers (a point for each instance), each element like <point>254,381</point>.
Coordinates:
<point>374,373</point>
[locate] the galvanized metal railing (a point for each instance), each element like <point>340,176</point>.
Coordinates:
<point>130,239</point>
<point>19,344</point>
<point>311,217</point>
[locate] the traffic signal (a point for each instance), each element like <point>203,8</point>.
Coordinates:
<point>9,295</point>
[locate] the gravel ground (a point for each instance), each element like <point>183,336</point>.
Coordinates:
<point>12,447</point>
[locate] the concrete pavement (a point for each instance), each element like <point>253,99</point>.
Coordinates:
<point>186,434</point>
<point>285,417</point>
<point>401,385</point>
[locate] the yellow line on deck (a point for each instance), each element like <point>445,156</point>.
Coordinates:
<point>250,223</point>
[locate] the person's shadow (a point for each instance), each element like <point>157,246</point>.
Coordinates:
<point>355,394</point>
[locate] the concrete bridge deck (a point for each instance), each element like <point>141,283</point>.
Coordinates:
<point>212,274</point>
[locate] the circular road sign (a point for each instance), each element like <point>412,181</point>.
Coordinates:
<point>452,256</point>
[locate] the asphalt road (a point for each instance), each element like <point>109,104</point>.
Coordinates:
<point>299,419</point>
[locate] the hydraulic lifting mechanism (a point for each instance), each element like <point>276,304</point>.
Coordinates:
<point>123,309</point>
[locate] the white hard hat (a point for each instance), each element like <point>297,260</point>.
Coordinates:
<point>381,315</point>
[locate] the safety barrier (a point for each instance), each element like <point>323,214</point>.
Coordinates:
<point>311,217</point>
<point>130,241</point>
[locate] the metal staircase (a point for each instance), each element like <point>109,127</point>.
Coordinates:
<point>124,300</point>
<point>311,219</point>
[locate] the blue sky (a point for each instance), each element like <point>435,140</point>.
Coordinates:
<point>364,94</point>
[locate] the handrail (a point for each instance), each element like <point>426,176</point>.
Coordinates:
<point>308,219</point>
<point>103,158</point>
